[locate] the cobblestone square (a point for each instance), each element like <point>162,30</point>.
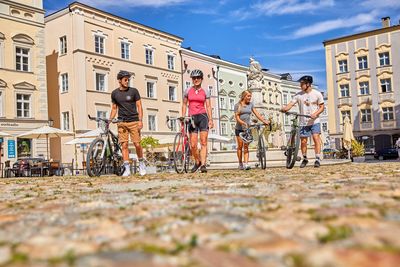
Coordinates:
<point>342,215</point>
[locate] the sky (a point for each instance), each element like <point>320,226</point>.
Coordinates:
<point>283,35</point>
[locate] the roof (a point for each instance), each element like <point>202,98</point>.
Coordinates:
<point>113,15</point>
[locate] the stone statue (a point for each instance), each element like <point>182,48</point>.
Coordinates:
<point>254,75</point>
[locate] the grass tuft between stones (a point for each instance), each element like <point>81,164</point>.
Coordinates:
<point>335,233</point>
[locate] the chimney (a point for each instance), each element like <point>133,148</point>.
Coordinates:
<point>385,22</point>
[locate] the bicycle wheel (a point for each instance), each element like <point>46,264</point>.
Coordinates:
<point>179,153</point>
<point>262,157</point>
<point>292,149</point>
<point>118,163</point>
<point>94,160</point>
<point>189,163</point>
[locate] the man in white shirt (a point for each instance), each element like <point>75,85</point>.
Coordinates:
<point>311,103</point>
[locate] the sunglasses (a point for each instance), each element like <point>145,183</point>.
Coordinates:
<point>197,78</point>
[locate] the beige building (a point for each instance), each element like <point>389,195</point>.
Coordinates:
<point>363,79</point>
<point>23,92</point>
<point>86,48</point>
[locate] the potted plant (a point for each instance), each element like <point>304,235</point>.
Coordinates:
<point>357,151</point>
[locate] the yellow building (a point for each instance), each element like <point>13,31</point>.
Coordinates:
<point>23,92</point>
<point>86,48</point>
<point>363,81</point>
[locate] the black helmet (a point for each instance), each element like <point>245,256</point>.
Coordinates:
<point>306,79</point>
<point>123,73</point>
<point>196,73</point>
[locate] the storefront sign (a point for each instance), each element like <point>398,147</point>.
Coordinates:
<point>11,149</point>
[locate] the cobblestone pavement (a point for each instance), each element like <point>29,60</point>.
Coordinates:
<point>343,215</point>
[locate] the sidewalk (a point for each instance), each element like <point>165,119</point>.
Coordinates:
<point>276,164</point>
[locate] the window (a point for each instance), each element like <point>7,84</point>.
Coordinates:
<point>173,124</point>
<point>344,90</point>
<point>223,128</point>
<point>22,59</point>
<point>63,45</point>
<point>149,56</point>
<point>188,85</point>
<point>343,66</point>
<point>64,83</point>
<point>23,106</point>
<point>100,82</point>
<point>152,122</point>
<point>364,88</point>
<point>99,44</point>
<point>324,126</point>
<point>101,114</point>
<point>222,102</point>
<point>366,115</point>
<point>151,90</point>
<point>172,93</point>
<point>386,85</point>
<point>362,63</point>
<point>285,99</point>
<point>346,113</point>
<point>384,59</point>
<point>211,89</point>
<point>1,104</point>
<point>276,99</point>
<point>231,103</point>
<point>270,98</point>
<point>171,62</point>
<point>65,121</point>
<point>388,113</point>
<point>124,50</point>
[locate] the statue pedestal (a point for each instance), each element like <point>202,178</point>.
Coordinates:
<point>258,98</point>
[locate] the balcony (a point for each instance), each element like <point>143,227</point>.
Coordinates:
<point>388,124</point>
<point>344,101</point>
<point>386,97</point>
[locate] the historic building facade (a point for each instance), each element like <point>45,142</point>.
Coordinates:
<point>363,79</point>
<point>23,93</point>
<point>86,48</point>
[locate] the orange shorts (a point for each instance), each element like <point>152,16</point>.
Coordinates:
<point>128,128</point>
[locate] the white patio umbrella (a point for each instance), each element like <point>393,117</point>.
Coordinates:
<point>347,134</point>
<point>92,133</point>
<point>218,138</point>
<point>78,141</point>
<point>47,132</point>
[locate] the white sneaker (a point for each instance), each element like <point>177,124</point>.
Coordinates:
<point>142,168</point>
<point>127,171</point>
<point>246,167</point>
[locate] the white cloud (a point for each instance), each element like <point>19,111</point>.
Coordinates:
<point>374,4</point>
<point>329,25</point>
<point>243,27</point>
<point>284,7</point>
<point>303,50</point>
<point>133,3</point>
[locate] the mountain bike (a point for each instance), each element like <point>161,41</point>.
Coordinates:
<point>181,149</point>
<point>247,137</point>
<point>292,148</point>
<point>104,151</point>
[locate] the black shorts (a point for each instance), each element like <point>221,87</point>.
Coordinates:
<point>200,122</point>
<point>237,132</point>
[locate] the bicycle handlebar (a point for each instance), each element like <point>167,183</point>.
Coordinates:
<point>297,114</point>
<point>103,119</point>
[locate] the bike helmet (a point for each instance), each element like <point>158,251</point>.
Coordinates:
<point>306,79</point>
<point>246,137</point>
<point>122,74</point>
<point>196,73</point>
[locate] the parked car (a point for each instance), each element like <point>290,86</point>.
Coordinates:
<point>23,165</point>
<point>386,153</point>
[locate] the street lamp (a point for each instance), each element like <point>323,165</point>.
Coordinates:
<point>51,122</point>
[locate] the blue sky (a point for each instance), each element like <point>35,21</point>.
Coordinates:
<point>283,35</point>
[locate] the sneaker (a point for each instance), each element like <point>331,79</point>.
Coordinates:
<point>304,163</point>
<point>241,166</point>
<point>142,168</point>
<point>195,167</point>
<point>127,171</point>
<point>203,169</point>
<point>247,167</point>
<point>317,164</point>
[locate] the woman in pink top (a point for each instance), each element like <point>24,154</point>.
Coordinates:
<point>198,101</point>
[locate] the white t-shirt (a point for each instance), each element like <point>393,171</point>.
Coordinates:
<point>398,144</point>
<point>308,104</point>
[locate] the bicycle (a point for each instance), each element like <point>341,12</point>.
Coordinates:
<point>247,137</point>
<point>181,149</point>
<point>292,148</point>
<point>104,151</point>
